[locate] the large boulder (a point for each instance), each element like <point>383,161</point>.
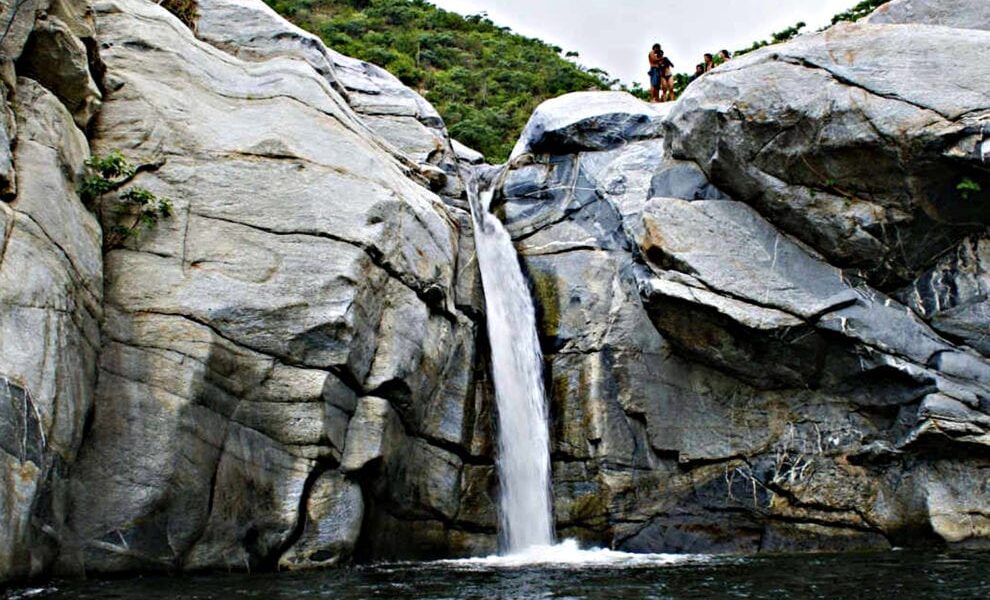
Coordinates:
<point>958,14</point>
<point>303,268</point>
<point>589,121</point>
<point>705,358</point>
<point>856,141</point>
<point>51,288</point>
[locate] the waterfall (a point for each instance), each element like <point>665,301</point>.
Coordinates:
<point>525,511</point>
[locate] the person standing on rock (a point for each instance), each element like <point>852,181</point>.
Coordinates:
<point>709,62</point>
<point>656,72</point>
<point>667,79</point>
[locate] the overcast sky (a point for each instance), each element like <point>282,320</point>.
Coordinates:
<point>616,35</point>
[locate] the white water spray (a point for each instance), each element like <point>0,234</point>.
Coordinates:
<point>525,512</point>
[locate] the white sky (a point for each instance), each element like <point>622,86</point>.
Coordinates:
<point>616,35</point>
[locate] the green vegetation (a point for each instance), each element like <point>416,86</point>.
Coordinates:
<point>136,208</point>
<point>776,38</point>
<point>859,11</point>
<point>855,13</point>
<point>185,10</point>
<point>484,79</point>
<point>967,186</point>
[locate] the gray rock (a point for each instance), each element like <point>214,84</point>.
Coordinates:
<point>706,357</point>
<point>885,325</point>
<point>958,14</point>
<point>258,493</point>
<point>540,194</point>
<point>19,18</point>
<point>589,121</point>
<point>942,417</point>
<point>479,497</point>
<point>465,154</point>
<point>253,31</point>
<point>685,180</point>
<point>78,16</point>
<point>8,131</point>
<point>954,296</point>
<point>50,305</point>
<point>624,177</point>
<point>58,60</point>
<point>373,433</point>
<point>873,185</point>
<point>736,335</point>
<point>334,512</point>
<point>303,268</point>
<point>759,265</point>
<point>956,507</point>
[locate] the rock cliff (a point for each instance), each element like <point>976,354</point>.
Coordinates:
<point>764,308</point>
<point>765,326</point>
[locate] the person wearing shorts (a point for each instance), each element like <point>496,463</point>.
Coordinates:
<point>656,72</point>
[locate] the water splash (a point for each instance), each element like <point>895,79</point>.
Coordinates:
<point>525,511</point>
<point>568,554</point>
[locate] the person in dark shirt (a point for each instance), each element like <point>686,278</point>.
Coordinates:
<point>666,79</point>
<point>698,72</point>
<point>656,72</point>
<point>709,62</point>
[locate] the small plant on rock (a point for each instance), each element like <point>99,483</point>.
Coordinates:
<point>967,186</point>
<point>185,10</point>
<point>137,207</point>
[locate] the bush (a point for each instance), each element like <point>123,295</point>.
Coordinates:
<point>137,207</point>
<point>185,10</point>
<point>483,79</point>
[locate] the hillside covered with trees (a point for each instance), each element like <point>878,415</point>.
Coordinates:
<point>484,79</point>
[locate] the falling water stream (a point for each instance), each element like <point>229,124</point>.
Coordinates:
<point>525,512</point>
<point>531,565</point>
<point>526,526</point>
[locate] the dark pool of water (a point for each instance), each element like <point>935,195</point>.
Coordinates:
<point>895,575</point>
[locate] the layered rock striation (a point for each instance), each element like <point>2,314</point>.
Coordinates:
<point>764,309</point>
<point>184,400</point>
<point>765,326</point>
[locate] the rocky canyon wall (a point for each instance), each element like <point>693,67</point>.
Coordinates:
<point>764,309</point>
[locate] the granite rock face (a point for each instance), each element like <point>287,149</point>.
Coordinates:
<point>851,146</point>
<point>388,109</point>
<point>765,326</point>
<point>51,289</point>
<point>764,309</point>
<point>303,269</point>
<point>196,415</point>
<point>958,14</point>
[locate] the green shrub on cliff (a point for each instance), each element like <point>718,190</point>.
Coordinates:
<point>484,79</point>
<point>855,13</point>
<point>859,11</point>
<point>136,207</point>
<point>186,10</point>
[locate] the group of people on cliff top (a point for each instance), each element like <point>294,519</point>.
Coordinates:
<point>662,72</point>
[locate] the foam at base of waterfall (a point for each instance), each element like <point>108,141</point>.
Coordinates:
<point>569,554</point>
